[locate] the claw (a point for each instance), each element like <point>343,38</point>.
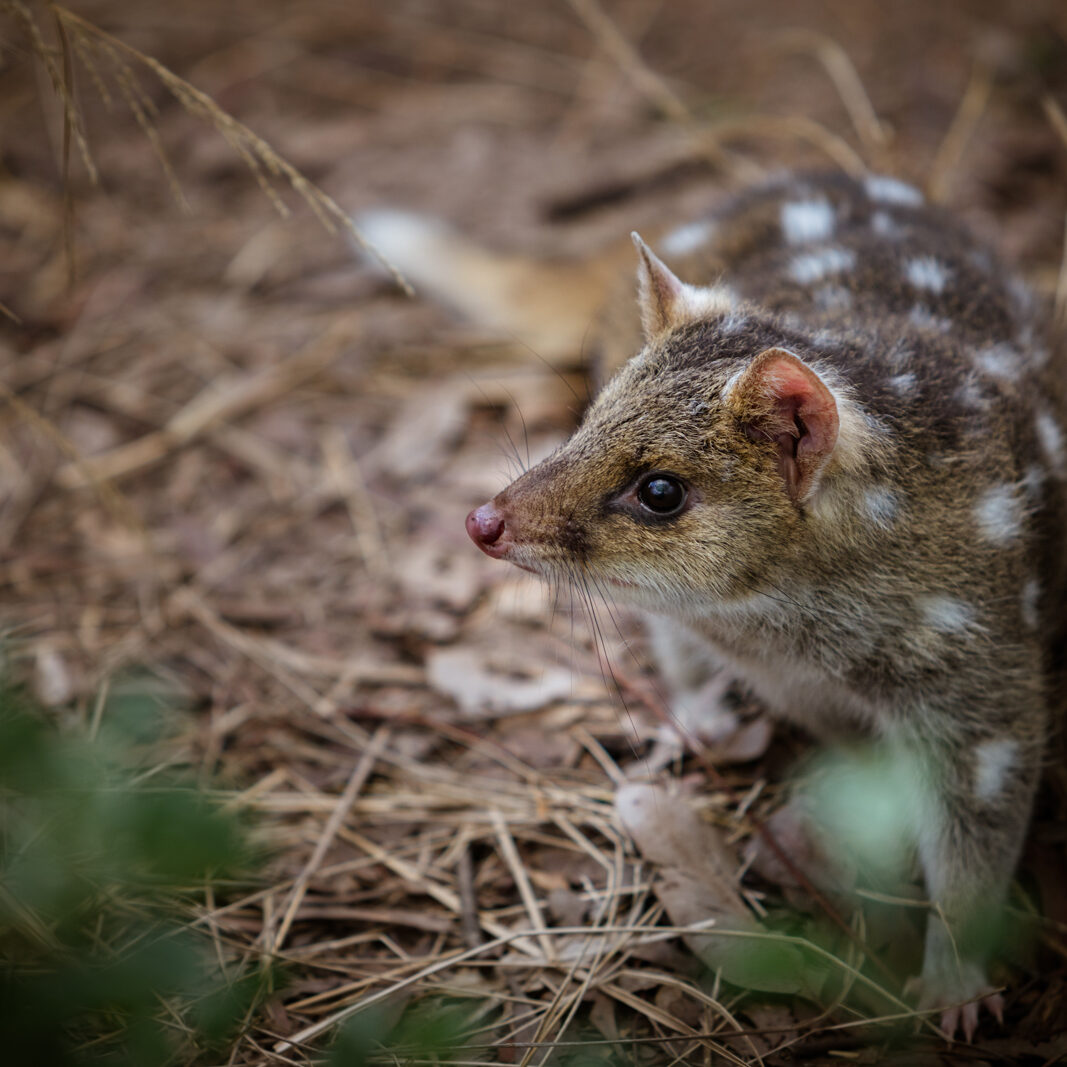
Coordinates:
<point>995,1004</point>
<point>960,1002</point>
<point>966,1016</point>
<point>950,1018</point>
<point>970,1021</point>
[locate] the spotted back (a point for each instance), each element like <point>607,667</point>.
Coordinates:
<point>941,346</point>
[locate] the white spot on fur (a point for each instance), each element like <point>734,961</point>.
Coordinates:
<point>947,614</point>
<point>892,190</point>
<point>999,361</point>
<point>999,514</point>
<point>1028,341</point>
<point>923,318</point>
<point>832,298</point>
<point>812,266</point>
<point>992,762</point>
<point>807,220</point>
<point>884,225</point>
<point>828,338</point>
<point>924,272</point>
<point>733,322</point>
<point>1030,599</point>
<point>1033,481</point>
<point>687,238</point>
<point>971,395</point>
<point>881,505</point>
<point>1051,437</point>
<point>904,384</point>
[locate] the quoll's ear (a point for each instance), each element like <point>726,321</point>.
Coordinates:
<point>666,300</point>
<point>782,400</point>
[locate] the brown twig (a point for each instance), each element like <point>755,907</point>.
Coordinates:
<point>216,404</point>
<point>872,132</point>
<point>972,106</point>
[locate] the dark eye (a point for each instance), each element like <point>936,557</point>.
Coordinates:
<point>662,494</point>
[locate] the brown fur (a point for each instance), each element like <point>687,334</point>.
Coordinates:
<point>871,431</point>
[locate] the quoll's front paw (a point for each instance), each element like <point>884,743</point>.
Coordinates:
<point>715,719</point>
<point>706,720</point>
<point>705,715</point>
<point>960,992</point>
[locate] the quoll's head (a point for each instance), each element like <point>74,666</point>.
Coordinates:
<point>692,470</point>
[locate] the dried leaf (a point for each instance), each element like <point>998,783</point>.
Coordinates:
<point>487,685</point>
<point>695,882</point>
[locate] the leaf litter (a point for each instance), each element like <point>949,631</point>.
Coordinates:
<point>231,452</point>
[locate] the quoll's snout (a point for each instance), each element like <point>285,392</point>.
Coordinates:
<point>485,526</point>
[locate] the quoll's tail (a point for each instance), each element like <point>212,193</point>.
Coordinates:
<point>548,306</point>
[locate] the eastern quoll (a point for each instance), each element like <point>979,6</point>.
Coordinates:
<point>835,471</point>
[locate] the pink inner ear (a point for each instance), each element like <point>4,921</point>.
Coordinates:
<point>803,420</point>
<point>800,393</point>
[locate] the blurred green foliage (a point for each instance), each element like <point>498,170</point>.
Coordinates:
<point>432,1029</point>
<point>869,802</point>
<point>100,856</point>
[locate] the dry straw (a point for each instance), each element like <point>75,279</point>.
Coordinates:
<point>100,52</point>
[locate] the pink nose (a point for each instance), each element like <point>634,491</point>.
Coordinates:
<point>485,525</point>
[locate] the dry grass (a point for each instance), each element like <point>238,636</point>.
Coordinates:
<point>103,54</point>
<point>231,453</point>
